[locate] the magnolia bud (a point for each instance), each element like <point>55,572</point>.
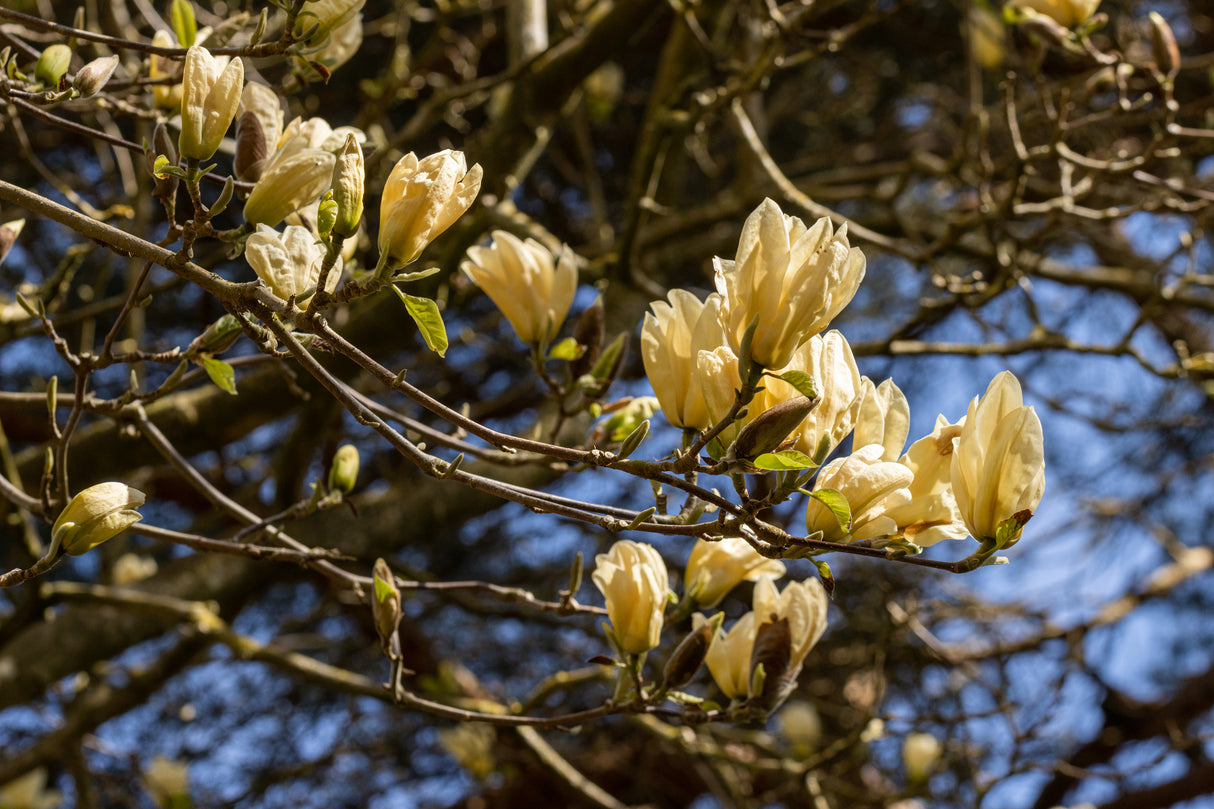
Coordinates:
<point>343,472</point>
<point>590,333</point>
<point>95,515</point>
<point>210,97</point>
<point>348,179</point>
<point>93,76</point>
<point>250,156</point>
<point>9,232</point>
<point>218,337</point>
<point>385,607</point>
<point>1163,43</point>
<point>771,428</point>
<point>52,64</point>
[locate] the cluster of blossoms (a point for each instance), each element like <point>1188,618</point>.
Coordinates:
<point>757,660</point>
<point>766,321</point>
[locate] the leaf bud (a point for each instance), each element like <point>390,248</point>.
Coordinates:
<point>52,64</point>
<point>1163,43</point>
<point>385,606</point>
<point>343,472</point>
<point>349,176</point>
<point>9,232</point>
<point>218,337</point>
<point>93,76</point>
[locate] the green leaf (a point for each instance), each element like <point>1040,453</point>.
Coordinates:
<point>802,381</point>
<point>426,315</point>
<point>784,461</point>
<point>181,17</point>
<point>828,578</point>
<point>834,500</point>
<point>383,590</point>
<point>567,349</point>
<point>220,373</point>
<point>406,277</point>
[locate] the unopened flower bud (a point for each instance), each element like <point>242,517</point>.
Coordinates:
<point>920,752</point>
<point>210,97</point>
<point>423,198</point>
<point>343,472</point>
<point>95,515</point>
<point>9,232</point>
<point>349,176</point>
<point>93,76</point>
<point>770,429</point>
<point>52,64</point>
<point>385,605</point>
<point>250,157</point>
<point>218,337</point>
<point>1163,43</point>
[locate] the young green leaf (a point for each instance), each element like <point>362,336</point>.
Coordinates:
<point>220,373</point>
<point>784,461</point>
<point>426,315</point>
<point>834,500</point>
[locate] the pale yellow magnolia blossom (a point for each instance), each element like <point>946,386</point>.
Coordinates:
<point>29,792</point>
<point>318,134</point>
<point>264,104</point>
<point>209,98</point>
<point>884,418</point>
<point>672,336</point>
<point>168,780</point>
<point>632,578</point>
<point>802,603</point>
<point>96,514</point>
<point>295,177</point>
<point>998,464</point>
<point>728,657</point>
<point>716,372</point>
<point>344,41</point>
<point>289,263</point>
<point>801,725</point>
<point>423,198</point>
<point>130,568</point>
<point>532,290</point>
<point>166,96</point>
<point>794,280</point>
<point>871,486</point>
<point>920,752</point>
<point>829,360</point>
<point>715,568</point>
<point>988,37</point>
<point>1064,12</point>
<point>931,515</point>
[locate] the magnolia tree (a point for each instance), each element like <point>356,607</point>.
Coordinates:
<point>279,429</point>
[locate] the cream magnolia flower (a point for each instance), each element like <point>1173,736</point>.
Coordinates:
<point>828,359</point>
<point>130,568</point>
<point>1065,12</point>
<point>884,418</point>
<point>920,752</point>
<point>871,486</point>
<point>264,104</point>
<point>295,176</point>
<point>803,604</point>
<point>998,465</point>
<point>29,792</point>
<point>289,263</point>
<point>931,515</point>
<point>258,128</point>
<point>632,578</point>
<point>672,336</point>
<point>794,280</point>
<point>800,724</point>
<point>168,781</point>
<point>531,289</point>
<point>210,95</point>
<point>728,657</point>
<point>716,373</point>
<point>423,198</point>
<point>94,515</point>
<point>715,568</point>
<point>166,96</point>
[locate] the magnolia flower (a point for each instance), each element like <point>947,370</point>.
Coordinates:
<point>800,724</point>
<point>532,290</point>
<point>828,359</point>
<point>343,42</point>
<point>715,568</point>
<point>349,177</point>
<point>328,15</point>
<point>803,604</point>
<point>792,279</point>
<point>258,128</point>
<point>166,96</point>
<point>423,198</point>
<point>716,373</point>
<point>29,792</point>
<point>728,657</point>
<point>168,781</point>
<point>294,177</point>
<point>672,336</point>
<point>998,465</point>
<point>920,752</point>
<point>931,515</point>
<point>94,515</point>
<point>209,98</point>
<point>884,418</point>
<point>871,486</point>
<point>1064,12</point>
<point>289,263</point>
<point>632,578</point>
